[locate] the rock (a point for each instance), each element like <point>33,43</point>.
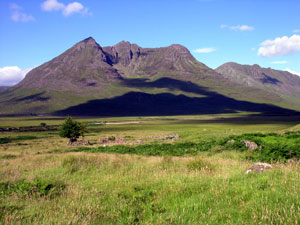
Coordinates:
<point>231,141</point>
<point>112,141</point>
<point>250,144</point>
<point>103,140</point>
<point>294,160</point>
<point>258,167</point>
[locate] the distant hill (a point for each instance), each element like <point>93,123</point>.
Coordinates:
<point>126,79</point>
<point>3,88</point>
<point>282,83</point>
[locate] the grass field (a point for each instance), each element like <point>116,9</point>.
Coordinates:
<point>193,180</point>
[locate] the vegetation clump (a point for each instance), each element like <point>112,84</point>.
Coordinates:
<point>268,147</point>
<point>272,146</point>
<point>38,187</point>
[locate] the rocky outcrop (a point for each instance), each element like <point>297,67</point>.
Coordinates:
<point>258,168</point>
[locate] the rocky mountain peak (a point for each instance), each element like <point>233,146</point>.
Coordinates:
<point>123,52</point>
<point>178,52</point>
<point>87,43</point>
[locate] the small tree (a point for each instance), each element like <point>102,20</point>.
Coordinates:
<point>83,129</point>
<point>72,129</point>
<point>43,124</point>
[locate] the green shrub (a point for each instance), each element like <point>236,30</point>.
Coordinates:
<point>111,138</point>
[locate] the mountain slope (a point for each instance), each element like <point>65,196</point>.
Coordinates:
<point>282,83</point>
<point>88,72</point>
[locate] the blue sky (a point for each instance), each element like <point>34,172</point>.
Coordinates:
<point>264,32</point>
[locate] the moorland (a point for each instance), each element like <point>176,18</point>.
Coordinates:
<point>167,170</point>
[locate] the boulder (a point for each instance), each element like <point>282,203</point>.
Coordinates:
<point>258,168</point>
<point>250,144</point>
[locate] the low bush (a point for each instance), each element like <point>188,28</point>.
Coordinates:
<point>178,149</point>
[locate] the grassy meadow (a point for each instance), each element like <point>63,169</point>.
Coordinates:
<point>196,179</point>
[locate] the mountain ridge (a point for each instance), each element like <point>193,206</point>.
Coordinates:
<point>88,71</point>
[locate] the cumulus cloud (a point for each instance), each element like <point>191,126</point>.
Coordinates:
<point>74,7</point>
<point>11,75</point>
<point>238,27</point>
<point>280,46</point>
<point>67,10</point>
<point>18,14</point>
<point>52,5</point>
<point>280,62</point>
<point>292,71</point>
<point>204,50</point>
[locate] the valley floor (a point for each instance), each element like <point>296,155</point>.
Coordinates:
<point>44,181</point>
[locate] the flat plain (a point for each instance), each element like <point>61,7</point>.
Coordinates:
<point>151,178</point>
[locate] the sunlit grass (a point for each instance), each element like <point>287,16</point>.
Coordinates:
<point>103,188</point>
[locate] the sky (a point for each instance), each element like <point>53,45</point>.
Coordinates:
<point>263,32</point>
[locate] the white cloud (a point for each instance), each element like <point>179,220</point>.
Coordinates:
<point>18,14</point>
<point>74,7</point>
<point>52,5</point>
<point>67,10</point>
<point>296,31</point>
<point>292,71</point>
<point>242,28</point>
<point>204,50</point>
<point>280,62</point>
<point>238,27</point>
<point>11,75</point>
<point>280,46</point>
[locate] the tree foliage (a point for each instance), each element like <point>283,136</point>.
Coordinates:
<point>72,129</point>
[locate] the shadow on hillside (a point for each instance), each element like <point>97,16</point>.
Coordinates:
<point>143,104</point>
<point>31,98</point>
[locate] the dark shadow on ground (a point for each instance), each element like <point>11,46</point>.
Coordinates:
<point>143,104</point>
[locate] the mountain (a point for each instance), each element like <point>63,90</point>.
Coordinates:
<point>282,83</point>
<point>126,79</point>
